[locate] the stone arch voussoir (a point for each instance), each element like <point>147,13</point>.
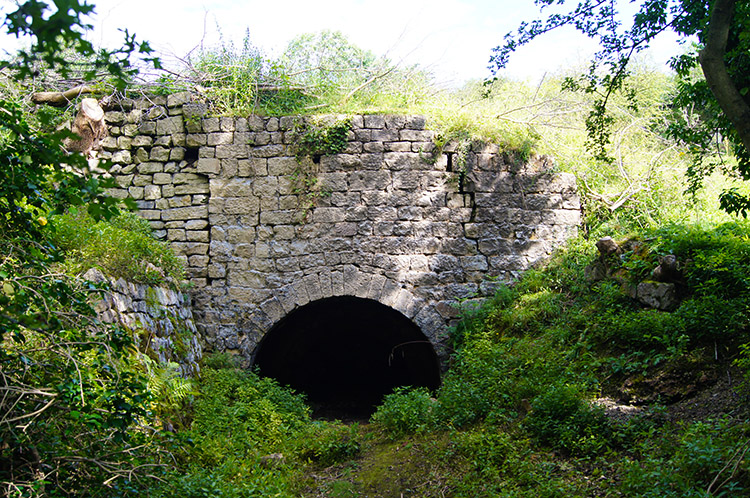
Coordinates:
<point>351,281</point>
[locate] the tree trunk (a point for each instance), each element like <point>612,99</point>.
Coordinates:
<point>712,62</point>
<point>60,99</point>
<point>89,126</point>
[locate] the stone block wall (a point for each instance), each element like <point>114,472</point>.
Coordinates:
<point>160,318</point>
<point>389,218</point>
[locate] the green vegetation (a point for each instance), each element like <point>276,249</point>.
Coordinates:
<point>122,247</point>
<point>314,141</point>
<point>74,403</point>
<point>529,405</point>
<point>406,411</point>
<point>238,418</point>
<point>710,115</point>
<point>320,72</point>
<point>529,363</point>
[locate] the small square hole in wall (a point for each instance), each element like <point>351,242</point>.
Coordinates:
<point>191,155</point>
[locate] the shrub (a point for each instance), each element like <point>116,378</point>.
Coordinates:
<point>219,361</point>
<point>233,479</point>
<point>474,316</point>
<point>406,411</point>
<point>250,410</point>
<point>716,259</point>
<point>238,418</point>
<point>487,449</point>
<point>122,248</point>
<point>530,311</point>
<point>491,378</point>
<point>713,318</point>
<point>474,386</point>
<point>562,419</point>
<point>329,443</point>
<point>706,459</point>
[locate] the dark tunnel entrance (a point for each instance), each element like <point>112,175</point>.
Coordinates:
<point>346,353</point>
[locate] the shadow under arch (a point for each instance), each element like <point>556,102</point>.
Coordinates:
<point>345,353</point>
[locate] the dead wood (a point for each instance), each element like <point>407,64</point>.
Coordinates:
<point>89,126</point>
<point>60,99</point>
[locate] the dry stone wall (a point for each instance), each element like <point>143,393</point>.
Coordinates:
<point>160,318</point>
<point>390,218</point>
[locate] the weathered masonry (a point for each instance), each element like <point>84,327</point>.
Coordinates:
<point>389,221</point>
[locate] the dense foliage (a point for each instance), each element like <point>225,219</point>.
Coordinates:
<point>122,247</point>
<point>237,420</point>
<point>708,113</point>
<point>528,364</point>
<point>71,391</point>
<point>316,73</point>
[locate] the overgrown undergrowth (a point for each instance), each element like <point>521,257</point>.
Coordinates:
<point>122,247</point>
<point>529,365</point>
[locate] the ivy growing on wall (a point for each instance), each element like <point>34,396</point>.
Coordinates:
<point>315,141</point>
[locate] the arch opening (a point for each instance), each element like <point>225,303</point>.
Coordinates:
<point>345,353</point>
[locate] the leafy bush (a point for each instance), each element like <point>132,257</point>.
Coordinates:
<point>329,443</point>
<point>233,479</point>
<point>219,361</point>
<point>315,141</point>
<point>529,311</point>
<point>706,459</point>
<point>488,449</point>
<point>76,396</point>
<point>563,419</point>
<point>717,259</point>
<point>244,81</point>
<point>121,248</point>
<point>406,411</point>
<point>491,378</point>
<point>240,406</point>
<point>315,72</point>
<point>473,388</point>
<point>713,318</point>
<point>238,418</point>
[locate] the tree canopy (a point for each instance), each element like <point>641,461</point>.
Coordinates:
<point>719,105</point>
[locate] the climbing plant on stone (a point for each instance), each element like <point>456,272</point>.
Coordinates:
<point>315,141</point>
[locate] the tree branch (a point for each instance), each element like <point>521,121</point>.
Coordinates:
<point>369,81</point>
